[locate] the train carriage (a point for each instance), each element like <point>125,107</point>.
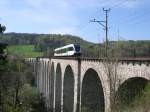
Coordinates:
<point>68,50</point>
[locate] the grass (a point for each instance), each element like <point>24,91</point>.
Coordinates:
<point>26,51</point>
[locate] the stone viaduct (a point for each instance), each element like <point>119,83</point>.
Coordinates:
<point>82,85</point>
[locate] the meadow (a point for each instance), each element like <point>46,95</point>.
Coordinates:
<point>26,51</point>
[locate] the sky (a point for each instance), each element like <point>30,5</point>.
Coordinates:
<point>127,20</point>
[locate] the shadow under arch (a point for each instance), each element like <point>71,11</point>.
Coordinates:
<point>129,90</point>
<point>92,96</point>
<point>52,73</point>
<point>58,90</point>
<point>68,90</point>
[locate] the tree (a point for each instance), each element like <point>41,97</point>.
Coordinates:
<point>111,62</point>
<point>17,93</point>
<point>2,28</point>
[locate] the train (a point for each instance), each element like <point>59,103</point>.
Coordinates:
<point>68,50</point>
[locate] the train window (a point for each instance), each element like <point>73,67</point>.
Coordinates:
<point>57,51</point>
<point>63,50</point>
<point>70,49</point>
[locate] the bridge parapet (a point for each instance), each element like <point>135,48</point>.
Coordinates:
<point>133,61</point>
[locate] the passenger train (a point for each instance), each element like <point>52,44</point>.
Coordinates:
<point>68,50</point>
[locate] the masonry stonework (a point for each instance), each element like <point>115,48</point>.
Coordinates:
<point>42,68</point>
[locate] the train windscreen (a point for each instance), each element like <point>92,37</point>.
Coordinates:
<point>77,48</point>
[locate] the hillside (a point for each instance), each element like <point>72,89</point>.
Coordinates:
<point>46,43</point>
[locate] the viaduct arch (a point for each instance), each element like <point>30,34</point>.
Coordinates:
<point>92,95</point>
<point>68,90</point>
<point>130,89</point>
<point>58,88</point>
<point>52,73</point>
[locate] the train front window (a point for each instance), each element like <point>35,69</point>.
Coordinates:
<point>77,48</point>
<point>70,49</point>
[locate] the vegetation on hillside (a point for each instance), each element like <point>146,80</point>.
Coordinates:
<point>26,51</point>
<point>141,103</point>
<point>46,43</point>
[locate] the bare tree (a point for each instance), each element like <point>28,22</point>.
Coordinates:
<point>111,63</point>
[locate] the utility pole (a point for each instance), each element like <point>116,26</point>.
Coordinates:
<point>104,24</point>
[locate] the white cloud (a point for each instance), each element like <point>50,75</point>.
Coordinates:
<point>55,12</point>
<point>50,13</point>
<point>63,30</point>
<point>47,4</point>
<point>86,4</point>
<point>120,3</point>
<point>131,3</point>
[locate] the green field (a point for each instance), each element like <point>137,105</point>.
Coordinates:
<point>26,51</point>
